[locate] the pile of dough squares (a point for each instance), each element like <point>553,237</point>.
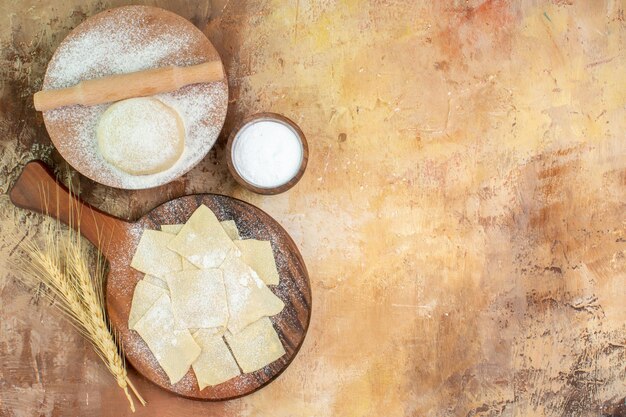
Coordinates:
<point>204,301</point>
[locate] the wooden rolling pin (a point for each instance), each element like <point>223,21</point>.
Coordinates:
<point>134,84</point>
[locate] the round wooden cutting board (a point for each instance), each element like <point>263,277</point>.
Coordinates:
<point>128,39</point>
<point>117,239</point>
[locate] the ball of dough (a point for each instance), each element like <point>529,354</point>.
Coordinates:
<point>141,136</point>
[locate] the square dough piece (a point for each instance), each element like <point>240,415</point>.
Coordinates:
<point>188,266</point>
<point>259,256</point>
<point>174,348</point>
<point>256,346</point>
<point>202,240</point>
<point>199,298</point>
<point>159,282</point>
<point>249,299</point>
<point>144,297</point>
<point>230,227</point>
<point>173,229</point>
<point>215,363</point>
<point>210,331</point>
<point>152,255</point>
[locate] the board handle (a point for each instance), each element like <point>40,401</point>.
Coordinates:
<point>37,189</point>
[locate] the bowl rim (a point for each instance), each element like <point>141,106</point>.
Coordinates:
<point>253,119</point>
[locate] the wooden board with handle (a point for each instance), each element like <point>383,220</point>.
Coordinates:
<point>37,189</point>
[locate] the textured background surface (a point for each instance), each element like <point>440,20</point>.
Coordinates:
<point>462,216</point>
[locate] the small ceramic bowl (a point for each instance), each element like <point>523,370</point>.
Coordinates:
<point>274,118</point>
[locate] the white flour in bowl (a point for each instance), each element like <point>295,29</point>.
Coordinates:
<point>267,153</point>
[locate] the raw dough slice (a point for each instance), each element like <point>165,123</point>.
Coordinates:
<point>143,298</point>
<point>199,298</point>
<point>259,256</point>
<point>172,229</point>
<point>159,282</point>
<point>141,136</point>
<point>230,227</point>
<point>188,266</point>
<point>173,348</point>
<point>248,297</point>
<point>256,346</point>
<point>153,257</point>
<point>212,331</point>
<point>215,363</point>
<point>202,240</point>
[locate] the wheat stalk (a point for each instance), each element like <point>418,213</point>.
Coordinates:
<point>63,268</point>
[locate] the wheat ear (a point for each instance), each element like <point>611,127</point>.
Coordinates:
<point>93,296</point>
<point>64,270</point>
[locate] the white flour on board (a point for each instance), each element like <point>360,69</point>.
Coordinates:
<point>121,43</point>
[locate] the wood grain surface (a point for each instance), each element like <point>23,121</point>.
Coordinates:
<point>36,189</point>
<point>461,215</point>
